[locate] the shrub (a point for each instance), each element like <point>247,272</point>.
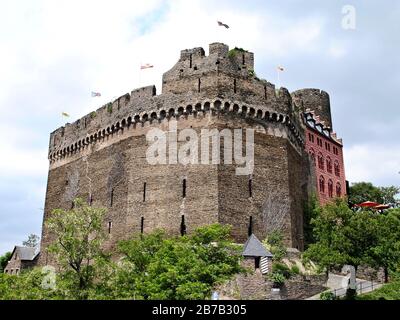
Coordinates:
<point>282,269</point>
<point>327,295</point>
<point>295,269</point>
<point>277,278</point>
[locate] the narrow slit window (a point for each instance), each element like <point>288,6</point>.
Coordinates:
<point>109,227</point>
<point>90,199</point>
<point>250,188</point>
<point>144,192</point>
<point>190,61</point>
<point>243,60</point>
<point>183,226</point>
<point>265,92</point>
<point>142,225</point>
<point>199,86</point>
<point>250,230</point>
<point>234,85</point>
<point>184,188</point>
<point>112,197</point>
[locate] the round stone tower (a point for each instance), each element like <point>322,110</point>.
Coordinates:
<point>315,100</point>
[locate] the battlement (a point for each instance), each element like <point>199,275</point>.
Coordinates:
<point>225,75</point>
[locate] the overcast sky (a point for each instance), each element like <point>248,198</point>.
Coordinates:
<point>53,53</point>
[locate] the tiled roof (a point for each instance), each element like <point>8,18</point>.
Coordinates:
<point>254,248</point>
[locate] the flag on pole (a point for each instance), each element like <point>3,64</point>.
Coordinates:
<point>222,24</point>
<point>96,94</point>
<point>64,114</point>
<point>146,66</point>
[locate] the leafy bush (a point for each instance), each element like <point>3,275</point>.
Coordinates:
<point>274,243</point>
<point>295,269</point>
<point>282,269</point>
<point>277,278</point>
<point>327,295</point>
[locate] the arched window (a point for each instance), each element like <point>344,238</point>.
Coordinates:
<point>321,184</point>
<point>321,161</point>
<point>312,155</point>
<point>329,165</point>
<point>337,169</point>
<point>330,188</point>
<point>338,190</point>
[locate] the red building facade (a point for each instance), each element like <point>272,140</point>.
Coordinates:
<point>326,152</point>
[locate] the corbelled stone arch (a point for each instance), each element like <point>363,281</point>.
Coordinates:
<point>145,117</point>
<point>189,109</point>
<point>235,108</point>
<point>252,112</point>
<point>181,111</point>
<point>153,116</point>
<point>197,107</point>
<point>217,105</point>
<point>259,114</point>
<point>227,107</point>
<point>163,114</point>
<point>136,118</point>
<point>207,106</point>
<point>171,112</point>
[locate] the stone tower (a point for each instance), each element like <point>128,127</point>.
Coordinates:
<point>102,156</point>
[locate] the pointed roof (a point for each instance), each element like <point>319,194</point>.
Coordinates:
<point>254,248</point>
<point>26,253</point>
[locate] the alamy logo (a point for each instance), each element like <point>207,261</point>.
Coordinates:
<point>173,147</point>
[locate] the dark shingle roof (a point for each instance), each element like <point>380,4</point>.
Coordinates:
<point>26,253</point>
<point>254,248</point>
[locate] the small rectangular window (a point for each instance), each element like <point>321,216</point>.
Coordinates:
<point>141,225</point>
<point>109,227</point>
<point>144,192</point>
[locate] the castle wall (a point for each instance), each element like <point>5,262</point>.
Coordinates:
<point>103,154</point>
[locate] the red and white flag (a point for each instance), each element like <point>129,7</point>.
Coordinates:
<point>96,94</point>
<point>146,66</point>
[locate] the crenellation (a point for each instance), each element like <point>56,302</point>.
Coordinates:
<point>217,91</point>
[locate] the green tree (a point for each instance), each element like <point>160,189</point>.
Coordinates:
<point>158,267</point>
<point>332,246</point>
<point>78,237</point>
<point>274,243</point>
<point>310,212</point>
<point>386,252</point>
<point>4,260</point>
<point>366,191</point>
<point>32,241</point>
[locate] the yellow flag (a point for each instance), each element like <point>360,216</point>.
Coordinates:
<point>65,114</point>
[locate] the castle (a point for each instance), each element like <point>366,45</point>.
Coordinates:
<point>102,156</point>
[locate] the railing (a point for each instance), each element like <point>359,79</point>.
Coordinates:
<point>360,288</point>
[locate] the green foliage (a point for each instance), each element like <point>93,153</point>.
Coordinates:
<point>386,250</point>
<point>327,295</point>
<point>295,269</point>
<point>32,241</point>
<point>93,114</point>
<point>390,291</point>
<point>233,52</point>
<point>282,269</point>
<point>366,191</point>
<point>355,238</point>
<point>274,243</point>
<point>277,278</point>
<point>311,211</point>
<point>332,246</point>
<point>4,260</point>
<point>157,267</point>
<point>78,237</point>
<point>252,73</point>
<point>109,107</point>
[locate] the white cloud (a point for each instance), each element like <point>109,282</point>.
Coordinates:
<point>379,164</point>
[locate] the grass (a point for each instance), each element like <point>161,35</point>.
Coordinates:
<point>390,291</point>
